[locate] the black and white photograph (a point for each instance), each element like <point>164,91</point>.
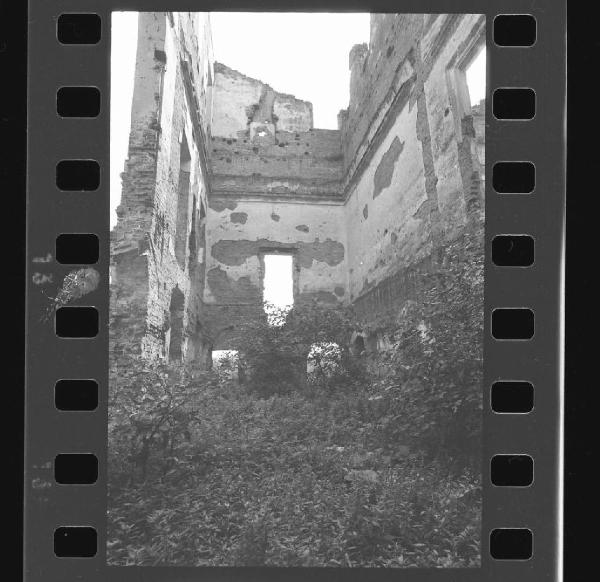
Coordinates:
<point>296,289</point>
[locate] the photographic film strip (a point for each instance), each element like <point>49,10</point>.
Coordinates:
<point>92,297</point>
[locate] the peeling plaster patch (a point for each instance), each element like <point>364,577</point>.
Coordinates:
<point>227,288</point>
<point>302,228</point>
<point>366,211</point>
<point>329,251</point>
<point>238,217</point>
<point>339,291</point>
<point>235,252</point>
<point>318,297</point>
<point>394,238</point>
<point>221,205</point>
<point>275,217</point>
<point>385,169</point>
<point>424,136</point>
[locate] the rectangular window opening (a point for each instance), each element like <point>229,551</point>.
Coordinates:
<point>475,73</point>
<point>475,76</point>
<point>278,286</point>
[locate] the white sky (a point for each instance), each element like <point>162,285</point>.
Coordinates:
<point>279,281</point>
<point>124,31</point>
<point>476,78</point>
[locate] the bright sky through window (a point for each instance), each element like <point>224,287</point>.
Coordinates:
<point>279,280</point>
<point>476,78</point>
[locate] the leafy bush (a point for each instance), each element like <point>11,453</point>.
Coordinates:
<point>274,349</point>
<point>434,398</point>
<point>151,416</point>
<point>292,481</point>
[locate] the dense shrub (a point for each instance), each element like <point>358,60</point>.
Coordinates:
<point>294,481</point>
<point>434,397</point>
<point>276,348</point>
<point>151,416</point>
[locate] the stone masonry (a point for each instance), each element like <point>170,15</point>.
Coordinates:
<point>222,169</point>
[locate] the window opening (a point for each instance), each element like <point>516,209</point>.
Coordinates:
<point>475,74</point>
<point>278,287</point>
<point>226,363</point>
<point>323,359</point>
<point>476,83</point>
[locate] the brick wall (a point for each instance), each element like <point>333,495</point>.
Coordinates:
<point>240,100</point>
<point>286,163</point>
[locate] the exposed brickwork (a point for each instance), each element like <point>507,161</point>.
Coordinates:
<point>158,244</point>
<point>288,164</point>
<point>373,73</point>
<point>385,168</point>
<point>241,100</point>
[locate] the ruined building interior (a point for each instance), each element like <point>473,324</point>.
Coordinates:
<point>223,170</point>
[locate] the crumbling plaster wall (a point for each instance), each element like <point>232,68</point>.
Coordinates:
<point>363,209</point>
<point>263,142</point>
<point>166,110</point>
<point>372,75</point>
<point>385,220</point>
<point>306,164</point>
<point>241,230</point>
<point>412,175</point>
<point>241,100</point>
<point>275,187</point>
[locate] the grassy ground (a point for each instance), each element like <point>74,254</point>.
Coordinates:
<point>291,481</point>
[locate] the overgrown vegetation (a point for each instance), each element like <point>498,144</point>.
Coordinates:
<point>340,468</point>
<point>275,349</point>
